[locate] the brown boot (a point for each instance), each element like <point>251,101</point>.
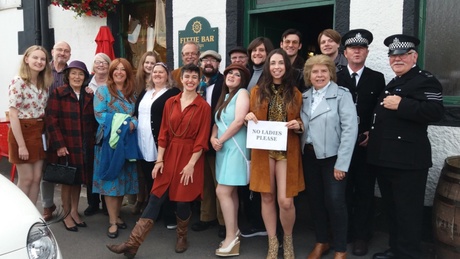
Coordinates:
<point>48,213</point>
<point>138,234</point>
<point>273,247</point>
<point>319,250</point>
<point>181,230</point>
<point>340,255</point>
<point>288,247</point>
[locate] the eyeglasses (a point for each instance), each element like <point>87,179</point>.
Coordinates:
<point>193,54</point>
<point>210,60</point>
<point>234,73</point>
<point>66,51</point>
<point>401,56</point>
<point>98,63</point>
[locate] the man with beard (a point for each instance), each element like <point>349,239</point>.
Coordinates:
<point>210,89</point>
<point>61,55</point>
<point>365,85</point>
<point>190,53</point>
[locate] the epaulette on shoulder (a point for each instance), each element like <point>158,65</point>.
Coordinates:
<point>344,88</point>
<point>425,73</point>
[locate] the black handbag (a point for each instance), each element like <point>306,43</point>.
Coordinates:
<point>58,173</point>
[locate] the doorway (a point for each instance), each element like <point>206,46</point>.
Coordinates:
<point>309,21</point>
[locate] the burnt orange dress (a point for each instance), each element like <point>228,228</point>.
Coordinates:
<point>182,133</point>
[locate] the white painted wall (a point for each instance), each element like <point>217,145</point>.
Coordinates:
<point>9,64</point>
<point>79,32</point>
<point>213,11</point>
<point>382,18</point>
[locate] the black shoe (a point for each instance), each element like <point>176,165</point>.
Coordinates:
<point>388,254</point>
<point>112,234</point>
<point>91,210</point>
<point>122,225</point>
<point>252,232</point>
<point>203,225</point>
<point>222,231</point>
<point>81,224</point>
<point>170,223</point>
<point>73,229</point>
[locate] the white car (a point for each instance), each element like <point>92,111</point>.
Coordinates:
<point>23,232</point>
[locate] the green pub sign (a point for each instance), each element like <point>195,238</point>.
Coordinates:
<point>199,30</point>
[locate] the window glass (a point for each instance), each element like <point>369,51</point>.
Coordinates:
<point>442,57</point>
<point>138,23</point>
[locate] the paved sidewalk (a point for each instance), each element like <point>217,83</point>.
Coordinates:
<point>90,242</point>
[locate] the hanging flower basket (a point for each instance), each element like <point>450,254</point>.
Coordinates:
<point>88,7</point>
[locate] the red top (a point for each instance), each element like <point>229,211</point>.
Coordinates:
<point>182,133</point>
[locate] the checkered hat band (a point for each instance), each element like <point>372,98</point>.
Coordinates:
<point>356,40</point>
<point>401,45</point>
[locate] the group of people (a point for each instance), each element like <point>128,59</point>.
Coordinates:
<point>174,137</point>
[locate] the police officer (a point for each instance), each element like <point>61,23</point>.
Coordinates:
<point>399,148</point>
<point>365,86</point>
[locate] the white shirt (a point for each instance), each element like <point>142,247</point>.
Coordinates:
<point>144,129</point>
<point>359,73</point>
<point>317,98</point>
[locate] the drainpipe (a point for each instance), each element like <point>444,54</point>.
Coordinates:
<point>44,25</point>
<point>37,26</point>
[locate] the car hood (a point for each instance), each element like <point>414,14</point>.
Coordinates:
<point>17,217</point>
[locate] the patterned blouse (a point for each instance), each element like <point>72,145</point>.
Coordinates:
<point>27,99</point>
<point>277,112</point>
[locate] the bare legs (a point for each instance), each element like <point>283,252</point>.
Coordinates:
<point>228,198</point>
<point>113,208</point>
<point>70,195</point>
<point>286,205</point>
<point>29,176</point>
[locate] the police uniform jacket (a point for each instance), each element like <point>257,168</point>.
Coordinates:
<point>365,94</point>
<point>398,138</point>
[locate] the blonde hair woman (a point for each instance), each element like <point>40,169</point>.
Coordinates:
<point>28,95</point>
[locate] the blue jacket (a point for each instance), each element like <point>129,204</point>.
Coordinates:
<point>333,126</point>
<point>112,160</point>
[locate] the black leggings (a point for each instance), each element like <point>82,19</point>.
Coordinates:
<point>153,208</point>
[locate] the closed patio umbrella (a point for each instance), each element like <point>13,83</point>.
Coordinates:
<point>104,41</point>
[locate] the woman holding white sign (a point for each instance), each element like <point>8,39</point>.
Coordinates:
<point>228,138</point>
<point>331,127</point>
<point>277,175</point>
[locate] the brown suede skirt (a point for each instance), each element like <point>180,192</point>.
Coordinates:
<point>32,130</point>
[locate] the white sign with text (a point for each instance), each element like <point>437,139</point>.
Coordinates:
<point>269,135</point>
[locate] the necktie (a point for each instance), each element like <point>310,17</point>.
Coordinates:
<point>353,76</point>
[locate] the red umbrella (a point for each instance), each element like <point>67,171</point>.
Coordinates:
<point>104,41</point>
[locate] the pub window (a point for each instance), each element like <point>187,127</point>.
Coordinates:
<point>442,57</point>
<point>143,28</point>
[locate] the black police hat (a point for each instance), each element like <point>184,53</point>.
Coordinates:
<point>399,43</point>
<point>357,37</point>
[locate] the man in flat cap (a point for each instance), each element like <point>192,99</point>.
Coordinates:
<point>398,147</point>
<point>365,85</point>
<point>210,88</point>
<point>239,55</point>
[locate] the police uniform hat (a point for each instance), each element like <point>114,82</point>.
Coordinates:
<point>357,37</point>
<point>211,53</point>
<point>399,44</point>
